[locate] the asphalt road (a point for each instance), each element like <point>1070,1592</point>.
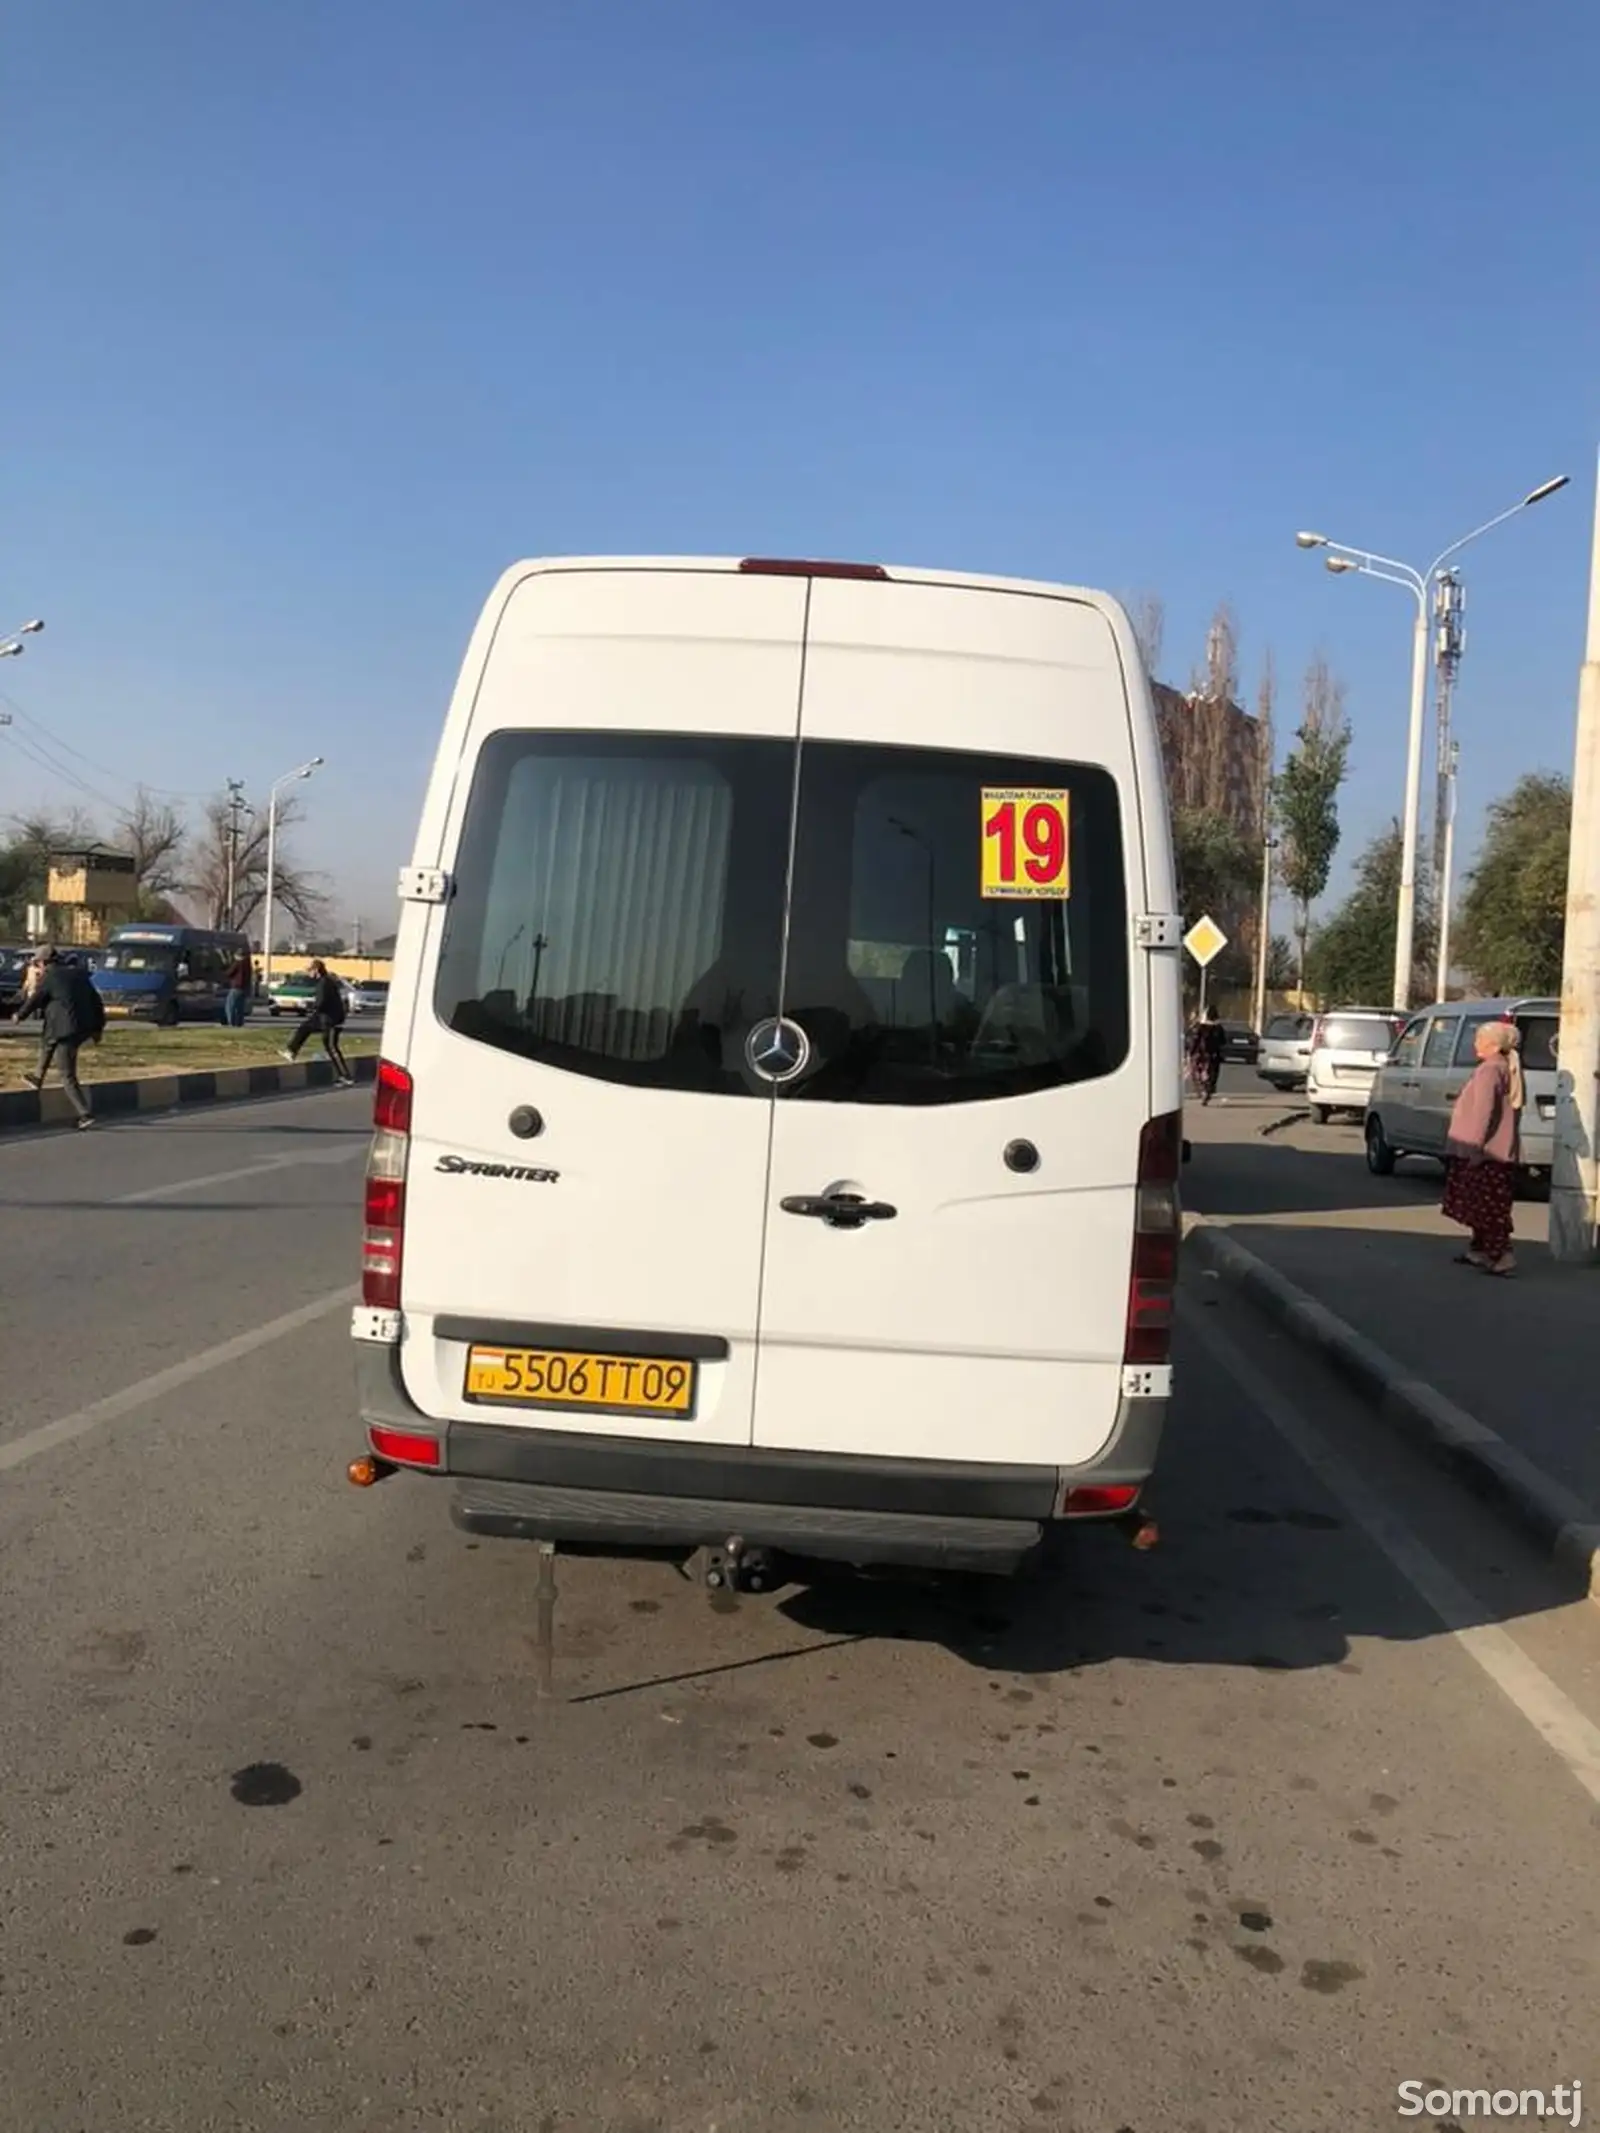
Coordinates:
<point>1238,1834</point>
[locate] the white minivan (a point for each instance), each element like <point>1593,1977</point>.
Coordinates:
<point>778,1124</point>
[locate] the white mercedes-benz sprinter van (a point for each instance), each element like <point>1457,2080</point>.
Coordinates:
<point>778,1126</point>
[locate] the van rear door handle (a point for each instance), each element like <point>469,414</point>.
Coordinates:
<point>840,1210</point>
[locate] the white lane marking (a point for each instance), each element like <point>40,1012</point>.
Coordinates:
<point>62,1431</point>
<point>246,1170</point>
<point>1548,1709</point>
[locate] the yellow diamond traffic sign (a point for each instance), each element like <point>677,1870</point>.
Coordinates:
<point>1205,941</point>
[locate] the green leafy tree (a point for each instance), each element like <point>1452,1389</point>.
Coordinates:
<point>1351,958</point>
<point>1305,797</point>
<point>1513,916</point>
<point>1217,865</point>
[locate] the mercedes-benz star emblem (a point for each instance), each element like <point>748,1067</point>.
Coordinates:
<point>777,1049</point>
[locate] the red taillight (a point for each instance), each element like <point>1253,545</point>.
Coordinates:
<point>404,1448</point>
<point>1156,1223</point>
<point>1104,1501</point>
<point>384,1220</point>
<point>391,1099</point>
<point>769,566</point>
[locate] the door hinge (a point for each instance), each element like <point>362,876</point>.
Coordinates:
<point>383,1327</point>
<point>424,885</point>
<point>1158,929</point>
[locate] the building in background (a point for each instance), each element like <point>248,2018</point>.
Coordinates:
<point>87,892</point>
<point>1216,761</point>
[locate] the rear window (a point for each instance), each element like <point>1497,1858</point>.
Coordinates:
<point>1539,1039</point>
<point>1357,1033</point>
<point>915,986</point>
<point>619,904</point>
<point>620,900</point>
<point>1289,1028</point>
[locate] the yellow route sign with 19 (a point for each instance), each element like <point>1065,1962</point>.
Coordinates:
<point>1205,941</point>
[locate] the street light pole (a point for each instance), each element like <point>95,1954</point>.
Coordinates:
<point>1269,845</point>
<point>305,770</point>
<point>1406,908</point>
<point>1419,583</point>
<point>1575,1171</point>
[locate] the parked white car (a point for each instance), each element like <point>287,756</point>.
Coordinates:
<point>1347,1048</point>
<point>1285,1053</point>
<point>1408,1112</point>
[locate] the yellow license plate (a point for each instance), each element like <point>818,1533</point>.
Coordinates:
<point>581,1379</point>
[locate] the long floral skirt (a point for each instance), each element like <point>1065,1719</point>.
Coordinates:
<point>1479,1196</point>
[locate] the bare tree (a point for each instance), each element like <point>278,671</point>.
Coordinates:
<point>154,835</point>
<point>1266,740</point>
<point>297,895</point>
<point>1147,612</point>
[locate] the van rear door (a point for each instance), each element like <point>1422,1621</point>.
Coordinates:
<point>587,1169</point>
<point>962,1073</point>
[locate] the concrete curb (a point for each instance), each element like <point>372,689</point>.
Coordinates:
<point>29,1108</point>
<point>1556,1519</point>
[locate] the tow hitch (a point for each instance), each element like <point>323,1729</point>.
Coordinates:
<point>735,1567</point>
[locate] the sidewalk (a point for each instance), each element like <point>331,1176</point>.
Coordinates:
<point>1520,1357</point>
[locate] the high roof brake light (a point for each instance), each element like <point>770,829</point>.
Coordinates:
<point>765,566</point>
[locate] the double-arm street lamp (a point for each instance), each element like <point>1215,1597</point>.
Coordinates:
<point>304,770</point>
<point>1419,583</point>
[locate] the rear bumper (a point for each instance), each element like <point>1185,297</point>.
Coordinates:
<point>626,1493</point>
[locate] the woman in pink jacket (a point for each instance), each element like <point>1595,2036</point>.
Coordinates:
<point>1482,1150</point>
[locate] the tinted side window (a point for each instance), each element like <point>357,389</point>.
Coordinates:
<point>914,986</point>
<point>1408,1048</point>
<point>1441,1042</point>
<point>1465,1054</point>
<point>619,904</point>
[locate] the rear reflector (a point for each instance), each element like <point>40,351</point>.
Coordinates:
<point>404,1448</point>
<point>1153,1276</point>
<point>766,566</point>
<point>1104,1501</point>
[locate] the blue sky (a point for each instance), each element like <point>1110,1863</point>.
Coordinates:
<point>318,313</point>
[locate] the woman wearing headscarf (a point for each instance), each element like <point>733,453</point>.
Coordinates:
<point>1482,1150</point>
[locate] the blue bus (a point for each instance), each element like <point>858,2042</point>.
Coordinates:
<point>167,974</point>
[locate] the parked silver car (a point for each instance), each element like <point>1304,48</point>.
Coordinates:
<point>1348,1046</point>
<point>1416,1087</point>
<point>1286,1050</point>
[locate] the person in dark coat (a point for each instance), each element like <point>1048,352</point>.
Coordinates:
<point>325,1018</point>
<point>241,983</point>
<point>73,1015</point>
<point>1210,1040</point>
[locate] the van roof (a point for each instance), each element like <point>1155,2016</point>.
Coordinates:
<point>1502,1004</point>
<point>734,566</point>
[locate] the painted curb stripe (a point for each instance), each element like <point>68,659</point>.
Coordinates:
<point>1556,1518</point>
<point>27,1109</point>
